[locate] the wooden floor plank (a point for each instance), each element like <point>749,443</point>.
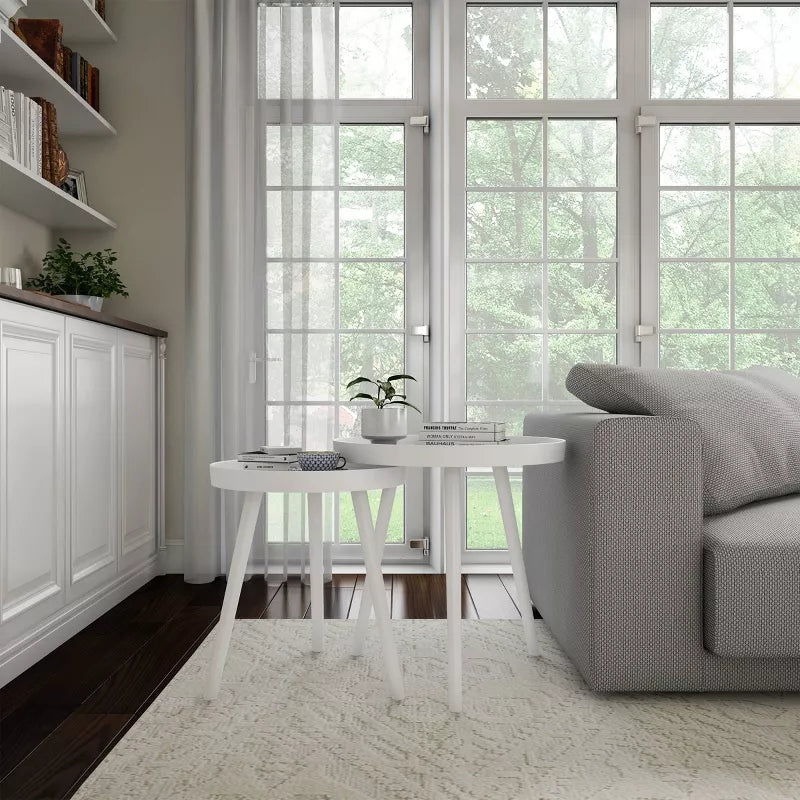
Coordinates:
<point>358,593</point>
<point>491,599</point>
<point>425,597</point>
<point>55,768</point>
<point>336,602</point>
<point>290,601</point>
<point>141,677</point>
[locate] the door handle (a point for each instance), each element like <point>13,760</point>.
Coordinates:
<point>421,330</point>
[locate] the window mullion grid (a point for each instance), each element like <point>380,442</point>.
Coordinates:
<point>545,54</point>
<point>336,295</point>
<point>545,350</point>
<point>730,49</point>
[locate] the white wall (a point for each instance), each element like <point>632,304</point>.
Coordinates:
<point>138,179</point>
<point>23,242</point>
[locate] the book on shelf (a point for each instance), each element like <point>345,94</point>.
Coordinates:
<point>258,456</point>
<point>454,442</point>
<point>461,436</point>
<point>496,428</point>
<point>43,36</point>
<point>21,130</point>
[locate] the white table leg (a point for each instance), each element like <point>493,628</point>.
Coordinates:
<point>453,517</point>
<point>503,485</point>
<point>315,559</point>
<point>381,529</point>
<point>374,584</point>
<point>241,553</point>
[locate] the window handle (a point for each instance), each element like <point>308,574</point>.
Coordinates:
<point>421,330</point>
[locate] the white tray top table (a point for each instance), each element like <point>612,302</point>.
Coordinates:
<point>517,451</point>
<point>354,478</point>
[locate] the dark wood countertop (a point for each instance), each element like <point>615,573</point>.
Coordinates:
<point>75,310</point>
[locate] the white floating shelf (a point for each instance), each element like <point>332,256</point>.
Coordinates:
<point>22,70</point>
<point>81,22</point>
<point>28,194</point>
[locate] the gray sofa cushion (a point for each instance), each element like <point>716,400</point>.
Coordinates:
<point>749,422</point>
<point>751,580</point>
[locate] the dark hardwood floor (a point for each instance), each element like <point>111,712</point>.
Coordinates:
<point>60,718</point>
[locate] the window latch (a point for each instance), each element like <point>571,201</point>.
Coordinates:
<point>421,122</point>
<point>421,330</point>
<point>640,331</point>
<point>644,122</point>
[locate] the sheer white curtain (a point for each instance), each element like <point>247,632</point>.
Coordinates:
<point>297,93</point>
<point>222,159</point>
<point>262,107</point>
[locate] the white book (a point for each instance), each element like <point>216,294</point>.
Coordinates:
<point>466,427</point>
<point>263,458</point>
<point>261,465</point>
<point>33,159</point>
<point>452,443</point>
<point>6,143</point>
<point>459,436</point>
<point>12,110</point>
<point>37,115</point>
<point>280,450</point>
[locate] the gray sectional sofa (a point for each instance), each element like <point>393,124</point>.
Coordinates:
<point>642,590</point>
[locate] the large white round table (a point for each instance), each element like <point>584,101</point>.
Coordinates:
<point>452,459</point>
<point>356,479</point>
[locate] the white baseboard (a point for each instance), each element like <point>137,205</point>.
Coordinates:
<point>171,557</point>
<point>51,633</point>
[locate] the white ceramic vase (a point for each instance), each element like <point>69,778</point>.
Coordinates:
<point>9,8</point>
<point>385,425</point>
<point>95,303</point>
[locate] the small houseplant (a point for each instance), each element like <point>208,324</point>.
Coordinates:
<point>84,279</point>
<point>387,421</point>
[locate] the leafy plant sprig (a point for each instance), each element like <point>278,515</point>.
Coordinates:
<point>385,387</point>
<point>67,272</point>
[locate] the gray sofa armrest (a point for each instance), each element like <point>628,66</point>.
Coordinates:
<point>612,540</point>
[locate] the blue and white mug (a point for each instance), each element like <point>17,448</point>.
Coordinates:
<point>320,460</point>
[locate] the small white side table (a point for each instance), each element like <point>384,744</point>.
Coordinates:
<point>356,479</point>
<point>453,459</point>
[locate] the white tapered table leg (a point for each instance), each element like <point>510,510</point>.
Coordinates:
<point>241,553</point>
<point>452,533</point>
<point>374,584</point>
<point>381,529</point>
<point>315,563</point>
<point>503,485</point>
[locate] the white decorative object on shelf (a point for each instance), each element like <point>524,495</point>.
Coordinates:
<point>518,451</point>
<point>8,8</point>
<point>95,303</point>
<point>387,424</point>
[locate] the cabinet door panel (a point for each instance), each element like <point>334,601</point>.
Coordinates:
<point>92,410</point>
<point>32,498</point>
<point>138,438</point>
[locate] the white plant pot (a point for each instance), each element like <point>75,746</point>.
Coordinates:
<point>95,303</point>
<point>385,425</point>
<point>9,8</point>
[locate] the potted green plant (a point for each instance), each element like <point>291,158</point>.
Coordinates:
<point>387,422</point>
<point>86,279</point>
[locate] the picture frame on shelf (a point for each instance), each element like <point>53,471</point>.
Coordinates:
<point>75,185</point>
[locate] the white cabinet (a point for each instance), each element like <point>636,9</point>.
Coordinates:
<point>79,475</point>
<point>32,496</point>
<point>93,465</point>
<point>138,441</point>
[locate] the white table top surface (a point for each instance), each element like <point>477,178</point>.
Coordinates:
<point>517,451</point>
<point>354,477</point>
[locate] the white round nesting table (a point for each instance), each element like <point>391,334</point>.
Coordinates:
<point>355,478</point>
<point>519,451</point>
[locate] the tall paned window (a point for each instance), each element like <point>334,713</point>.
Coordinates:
<point>342,177</point>
<point>725,185</point>
<point>539,265</point>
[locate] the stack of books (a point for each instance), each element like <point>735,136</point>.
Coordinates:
<point>43,36</point>
<point>29,134</point>
<point>276,458</point>
<point>450,433</point>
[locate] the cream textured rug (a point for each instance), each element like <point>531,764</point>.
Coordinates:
<point>291,725</point>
